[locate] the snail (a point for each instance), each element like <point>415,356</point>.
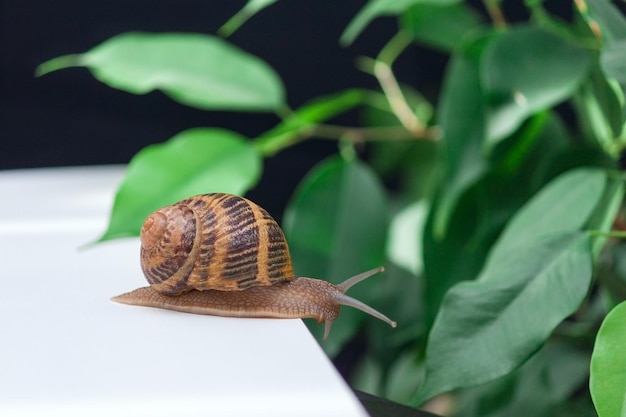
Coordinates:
<point>220,254</point>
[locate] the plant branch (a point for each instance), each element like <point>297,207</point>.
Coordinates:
<point>273,144</point>
<point>399,106</point>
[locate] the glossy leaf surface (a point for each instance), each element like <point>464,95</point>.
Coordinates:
<point>607,382</point>
<point>526,70</point>
<point>486,206</point>
<point>537,274</point>
<point>196,70</point>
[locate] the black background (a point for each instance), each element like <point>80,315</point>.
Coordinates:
<point>68,118</point>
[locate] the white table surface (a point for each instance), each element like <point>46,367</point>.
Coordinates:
<point>67,350</point>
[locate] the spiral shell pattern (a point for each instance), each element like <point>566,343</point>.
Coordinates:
<point>213,241</point>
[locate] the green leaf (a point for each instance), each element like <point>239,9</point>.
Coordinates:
<point>609,17</point>
<point>377,8</point>
<point>607,381</point>
<point>195,161</point>
<point>537,274</point>
<point>613,60</point>
<point>483,210</point>
<point>509,156</point>
<point>307,116</point>
<point>336,224</point>
<point>251,8</point>
<point>606,211</point>
<point>463,132</point>
<point>196,70</point>
<point>564,205</point>
<point>526,70</point>
<point>600,108</point>
<point>405,237</point>
<point>489,327</point>
<point>543,383</point>
<point>402,383</point>
<point>424,22</point>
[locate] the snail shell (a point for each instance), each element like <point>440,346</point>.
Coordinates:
<point>213,242</point>
<point>220,254</point>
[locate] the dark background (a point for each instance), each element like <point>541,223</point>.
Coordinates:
<point>68,118</point>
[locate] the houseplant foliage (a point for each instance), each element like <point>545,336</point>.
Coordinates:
<point>502,235</point>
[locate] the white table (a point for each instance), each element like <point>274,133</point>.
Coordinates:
<point>66,350</point>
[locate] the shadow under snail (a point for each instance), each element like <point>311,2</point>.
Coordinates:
<point>223,255</point>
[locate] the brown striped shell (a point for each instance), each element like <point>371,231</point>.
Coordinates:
<point>213,242</point>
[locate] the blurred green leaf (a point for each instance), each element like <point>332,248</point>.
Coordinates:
<point>336,224</point>
<point>324,107</point>
<point>196,70</point>
<point>402,381</point>
<point>537,273</point>
<point>609,17</point>
<point>552,22</point>
<point>606,211</point>
<point>526,70</point>
<point>412,166</point>
<point>463,131</point>
<point>599,105</point>
<point>536,389</point>
<point>613,60</point>
<point>195,161</point>
<point>607,381</point>
<point>424,21</point>
<point>612,273</point>
<point>511,154</point>
<point>396,295</point>
<point>368,375</point>
<point>377,8</point>
<point>251,8</point>
<point>530,153</point>
<point>405,237</point>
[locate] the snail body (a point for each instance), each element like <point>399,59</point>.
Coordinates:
<point>223,255</point>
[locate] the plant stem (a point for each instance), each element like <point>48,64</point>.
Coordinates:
<point>271,145</point>
<point>617,234</point>
<point>396,99</point>
<point>495,13</point>
<point>388,83</point>
<point>412,128</point>
<point>395,47</point>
